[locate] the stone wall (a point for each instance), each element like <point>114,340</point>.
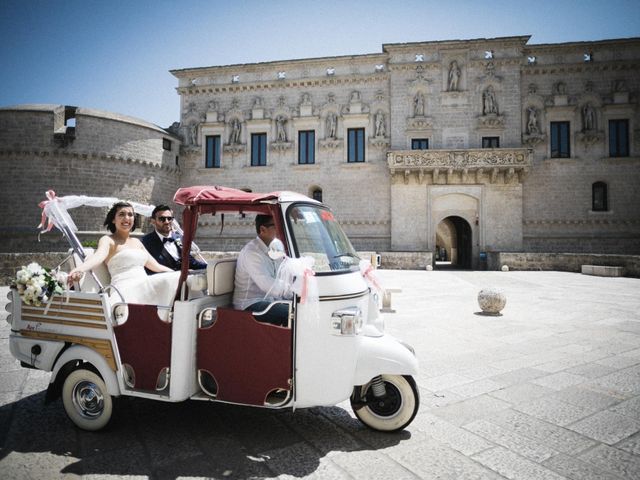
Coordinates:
<point>557,196</point>
<point>107,156</point>
<point>567,262</point>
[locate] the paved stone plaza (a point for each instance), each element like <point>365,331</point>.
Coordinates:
<point>548,390</point>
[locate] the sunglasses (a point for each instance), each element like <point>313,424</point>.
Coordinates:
<point>164,219</point>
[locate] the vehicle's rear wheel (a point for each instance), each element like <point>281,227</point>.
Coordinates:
<point>86,400</point>
<point>391,412</point>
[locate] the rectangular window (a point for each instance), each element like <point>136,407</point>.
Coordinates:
<point>212,152</point>
<point>355,145</point>
<point>560,140</point>
<point>490,142</point>
<point>419,144</point>
<point>618,138</point>
<point>166,144</point>
<point>306,147</point>
<point>258,149</point>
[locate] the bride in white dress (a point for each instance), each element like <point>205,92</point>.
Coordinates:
<point>126,259</point>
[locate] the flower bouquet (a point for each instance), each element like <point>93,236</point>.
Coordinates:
<point>36,285</point>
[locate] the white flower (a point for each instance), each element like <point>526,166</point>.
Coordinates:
<point>35,269</point>
<point>23,275</point>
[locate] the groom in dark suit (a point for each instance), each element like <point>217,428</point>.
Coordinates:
<point>164,244</point>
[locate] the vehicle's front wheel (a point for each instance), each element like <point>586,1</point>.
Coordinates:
<point>391,412</point>
<point>86,400</point>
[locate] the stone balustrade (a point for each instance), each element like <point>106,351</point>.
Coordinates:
<point>474,165</point>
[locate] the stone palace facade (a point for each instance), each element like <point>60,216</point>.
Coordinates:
<point>446,149</point>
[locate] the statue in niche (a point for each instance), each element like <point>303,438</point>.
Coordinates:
<point>332,123</point>
<point>234,136</point>
<point>588,86</point>
<point>418,105</point>
<point>355,96</point>
<point>257,102</point>
<point>306,99</point>
<point>281,133</point>
<point>588,118</point>
<point>620,86</point>
<point>489,102</point>
<point>213,106</point>
<point>380,130</point>
<point>454,76</point>
<point>193,134</point>
<point>532,122</point>
<point>533,89</point>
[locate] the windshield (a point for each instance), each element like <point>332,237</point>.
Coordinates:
<point>317,234</point>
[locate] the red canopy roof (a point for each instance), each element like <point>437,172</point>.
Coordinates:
<point>216,195</point>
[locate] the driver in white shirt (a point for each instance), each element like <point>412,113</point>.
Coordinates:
<point>256,285</point>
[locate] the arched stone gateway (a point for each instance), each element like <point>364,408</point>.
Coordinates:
<point>457,204</point>
<point>454,247</point>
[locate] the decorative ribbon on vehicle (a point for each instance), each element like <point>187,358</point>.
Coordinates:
<point>370,276</point>
<point>46,220</point>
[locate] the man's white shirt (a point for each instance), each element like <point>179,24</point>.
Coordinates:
<point>256,276</point>
<point>169,246</point>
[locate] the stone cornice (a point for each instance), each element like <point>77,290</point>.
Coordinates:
<point>280,84</point>
<point>568,68</point>
<point>274,65</point>
<point>87,155</point>
<point>470,165</point>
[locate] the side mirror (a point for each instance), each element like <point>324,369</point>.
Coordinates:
<point>276,249</point>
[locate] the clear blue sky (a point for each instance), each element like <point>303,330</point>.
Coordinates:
<point>116,55</point>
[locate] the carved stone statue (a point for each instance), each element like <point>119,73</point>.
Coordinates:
<point>489,102</point>
<point>281,132</point>
<point>257,102</point>
<point>234,136</point>
<point>193,134</point>
<point>332,122</point>
<point>454,76</point>
<point>532,122</point>
<point>380,129</point>
<point>418,105</point>
<point>355,96</point>
<point>588,118</point>
<point>306,99</point>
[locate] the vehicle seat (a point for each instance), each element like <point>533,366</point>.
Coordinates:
<point>220,279</point>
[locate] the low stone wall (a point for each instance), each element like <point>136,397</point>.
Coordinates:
<point>405,260</point>
<point>10,263</point>
<point>564,262</point>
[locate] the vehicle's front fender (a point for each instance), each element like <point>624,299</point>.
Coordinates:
<point>383,355</point>
<point>80,352</point>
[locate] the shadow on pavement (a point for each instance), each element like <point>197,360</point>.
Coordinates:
<point>192,438</point>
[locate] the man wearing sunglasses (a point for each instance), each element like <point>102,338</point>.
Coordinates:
<point>164,244</point>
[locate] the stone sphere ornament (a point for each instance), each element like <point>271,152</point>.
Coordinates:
<point>505,268</point>
<point>491,301</point>
<point>429,268</point>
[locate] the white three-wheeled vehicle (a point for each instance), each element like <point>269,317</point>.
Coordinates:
<point>333,348</point>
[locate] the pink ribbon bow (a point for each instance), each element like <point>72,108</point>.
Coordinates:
<point>305,288</point>
<point>51,195</point>
<point>370,275</point>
